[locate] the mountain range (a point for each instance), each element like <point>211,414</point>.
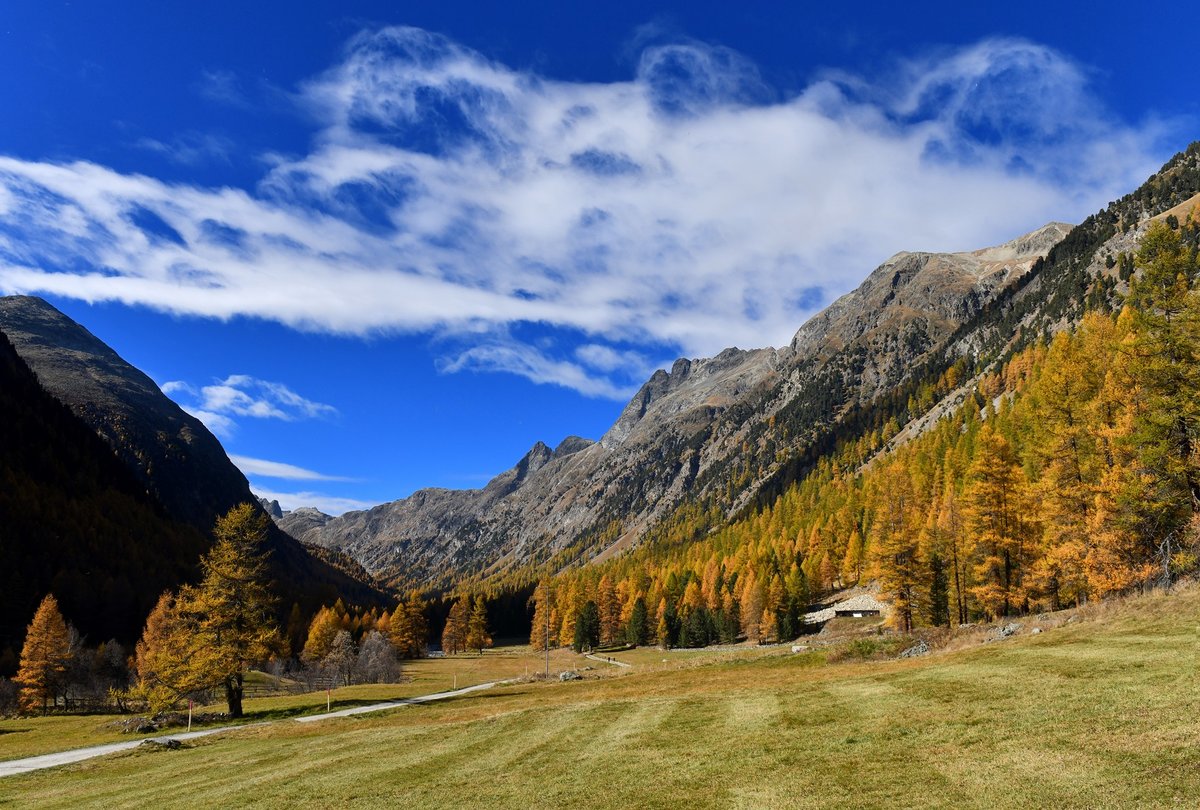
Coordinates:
<point>723,435</point>
<point>709,438</point>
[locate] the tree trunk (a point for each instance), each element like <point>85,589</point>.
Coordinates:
<point>233,694</point>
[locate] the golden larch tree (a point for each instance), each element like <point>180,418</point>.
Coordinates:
<point>996,506</point>
<point>610,611</point>
<point>44,657</point>
<point>478,636</point>
<point>321,632</point>
<point>454,634</point>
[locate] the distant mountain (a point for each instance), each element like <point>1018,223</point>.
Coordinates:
<point>175,459</point>
<point>709,432</point>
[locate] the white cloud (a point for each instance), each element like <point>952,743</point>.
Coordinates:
<point>329,504</point>
<point>529,362</point>
<point>219,424</point>
<point>681,211</point>
<point>608,359</point>
<point>278,469</point>
<point>242,395</point>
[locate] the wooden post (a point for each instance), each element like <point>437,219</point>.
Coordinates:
<point>327,698</point>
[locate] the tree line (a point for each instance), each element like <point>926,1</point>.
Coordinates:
<point>202,639</point>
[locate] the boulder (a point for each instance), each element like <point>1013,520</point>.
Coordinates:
<point>568,675</point>
<point>920,648</point>
<point>1010,629</point>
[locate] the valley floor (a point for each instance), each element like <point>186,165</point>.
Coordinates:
<point>1102,712</point>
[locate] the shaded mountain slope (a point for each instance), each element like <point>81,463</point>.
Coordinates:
<point>174,458</point>
<point>74,520</point>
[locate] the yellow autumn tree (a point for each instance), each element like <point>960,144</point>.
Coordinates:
<point>895,545</point>
<point>44,657</point>
<point>610,611</point>
<point>454,634</point>
<point>167,662</point>
<point>996,502</point>
<point>321,632</point>
<point>407,629</point>
<point>477,636</point>
<point>209,635</point>
<point>544,632</point>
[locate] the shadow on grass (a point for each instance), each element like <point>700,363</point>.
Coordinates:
<point>4,731</point>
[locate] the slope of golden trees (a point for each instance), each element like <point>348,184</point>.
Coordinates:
<point>1069,473</point>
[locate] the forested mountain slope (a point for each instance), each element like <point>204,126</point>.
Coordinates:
<point>74,520</point>
<point>1068,472</point>
<point>174,460</point>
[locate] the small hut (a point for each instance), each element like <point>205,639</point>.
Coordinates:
<point>857,607</point>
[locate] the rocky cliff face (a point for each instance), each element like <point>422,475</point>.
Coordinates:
<point>709,430</point>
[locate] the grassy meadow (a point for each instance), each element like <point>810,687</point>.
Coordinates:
<point>1099,712</point>
<point>30,736</point>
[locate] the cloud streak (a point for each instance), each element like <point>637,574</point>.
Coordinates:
<point>280,470</point>
<point>679,212</point>
<point>240,395</point>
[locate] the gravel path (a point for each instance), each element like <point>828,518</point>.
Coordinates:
<point>13,767</point>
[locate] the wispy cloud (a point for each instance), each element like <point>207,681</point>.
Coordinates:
<point>223,87</point>
<point>240,395</point>
<point>500,352</point>
<point>280,470</point>
<point>191,148</point>
<point>686,209</point>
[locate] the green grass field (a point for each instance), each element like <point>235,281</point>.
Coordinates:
<point>31,736</point>
<point>1102,712</point>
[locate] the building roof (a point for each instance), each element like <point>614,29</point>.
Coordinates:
<point>863,601</point>
<point>858,602</point>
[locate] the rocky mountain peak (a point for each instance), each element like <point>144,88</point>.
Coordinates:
<point>691,383</point>
<point>922,297</point>
<point>571,445</point>
<point>163,444</point>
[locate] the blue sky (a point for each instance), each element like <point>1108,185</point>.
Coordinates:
<point>381,246</point>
